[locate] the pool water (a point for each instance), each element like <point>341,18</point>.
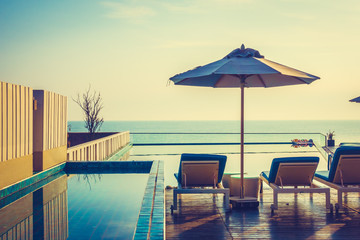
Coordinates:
<point>77,206</point>
<point>108,204</point>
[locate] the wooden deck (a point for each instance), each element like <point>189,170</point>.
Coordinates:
<point>202,216</point>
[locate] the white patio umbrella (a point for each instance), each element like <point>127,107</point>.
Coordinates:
<point>357,100</point>
<point>243,67</point>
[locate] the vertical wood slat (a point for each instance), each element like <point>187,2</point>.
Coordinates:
<point>60,119</point>
<point>51,130</point>
<point>26,121</point>
<point>9,122</point>
<point>49,122</point>
<point>55,128</point>
<point>66,118</point>
<point>18,122</point>
<point>31,123</point>
<point>46,122</point>
<point>45,117</point>
<point>1,123</point>
<point>48,100</point>
<point>64,121</point>
<point>13,119</point>
<point>22,121</point>
<point>58,143</point>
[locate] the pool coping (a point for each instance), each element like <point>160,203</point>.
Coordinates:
<point>151,221</point>
<point>30,180</point>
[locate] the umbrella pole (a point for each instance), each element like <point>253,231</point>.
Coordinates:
<point>242,143</point>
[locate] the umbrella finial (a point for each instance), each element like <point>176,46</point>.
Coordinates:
<point>243,52</point>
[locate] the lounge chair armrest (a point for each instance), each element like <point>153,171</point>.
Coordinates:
<point>176,175</point>
<point>219,185</point>
<point>330,159</point>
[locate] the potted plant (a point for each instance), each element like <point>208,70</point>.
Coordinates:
<point>330,141</point>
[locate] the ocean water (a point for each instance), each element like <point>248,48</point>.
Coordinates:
<point>345,131</point>
<point>258,156</point>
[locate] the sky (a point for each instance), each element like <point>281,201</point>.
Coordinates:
<point>127,50</point>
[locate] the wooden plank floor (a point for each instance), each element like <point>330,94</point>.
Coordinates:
<point>202,216</point>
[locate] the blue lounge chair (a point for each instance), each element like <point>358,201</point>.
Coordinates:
<point>200,173</point>
<point>289,173</point>
<point>344,171</point>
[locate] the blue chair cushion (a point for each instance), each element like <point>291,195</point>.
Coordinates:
<point>276,162</point>
<point>265,174</point>
<point>345,149</point>
<point>323,175</point>
<point>349,144</point>
<point>203,157</point>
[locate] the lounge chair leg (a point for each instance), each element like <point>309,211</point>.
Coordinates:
<point>274,206</point>
<point>327,199</point>
<point>339,199</point>
<point>174,206</point>
<point>337,208</point>
<point>227,200</point>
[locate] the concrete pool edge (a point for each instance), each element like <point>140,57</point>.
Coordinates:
<point>151,221</point>
<point>30,180</point>
<point>109,167</point>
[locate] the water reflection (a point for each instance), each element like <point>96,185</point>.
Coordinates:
<point>89,178</point>
<point>80,206</point>
<point>42,214</point>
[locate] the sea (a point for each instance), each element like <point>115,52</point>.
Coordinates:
<point>264,140</point>
<point>345,130</point>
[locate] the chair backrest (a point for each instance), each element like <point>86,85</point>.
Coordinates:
<point>347,171</point>
<point>295,174</point>
<point>199,173</point>
<point>221,159</point>
<point>293,171</point>
<point>346,164</point>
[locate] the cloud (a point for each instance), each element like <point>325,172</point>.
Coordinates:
<point>199,6</point>
<point>183,7</point>
<point>125,11</point>
<point>299,16</point>
<point>141,10</point>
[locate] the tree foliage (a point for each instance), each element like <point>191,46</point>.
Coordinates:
<point>91,104</point>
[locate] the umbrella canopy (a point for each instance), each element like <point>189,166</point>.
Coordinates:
<point>246,64</point>
<point>243,67</point>
<point>357,100</point>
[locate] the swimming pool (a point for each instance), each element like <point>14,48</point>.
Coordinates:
<point>82,201</point>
